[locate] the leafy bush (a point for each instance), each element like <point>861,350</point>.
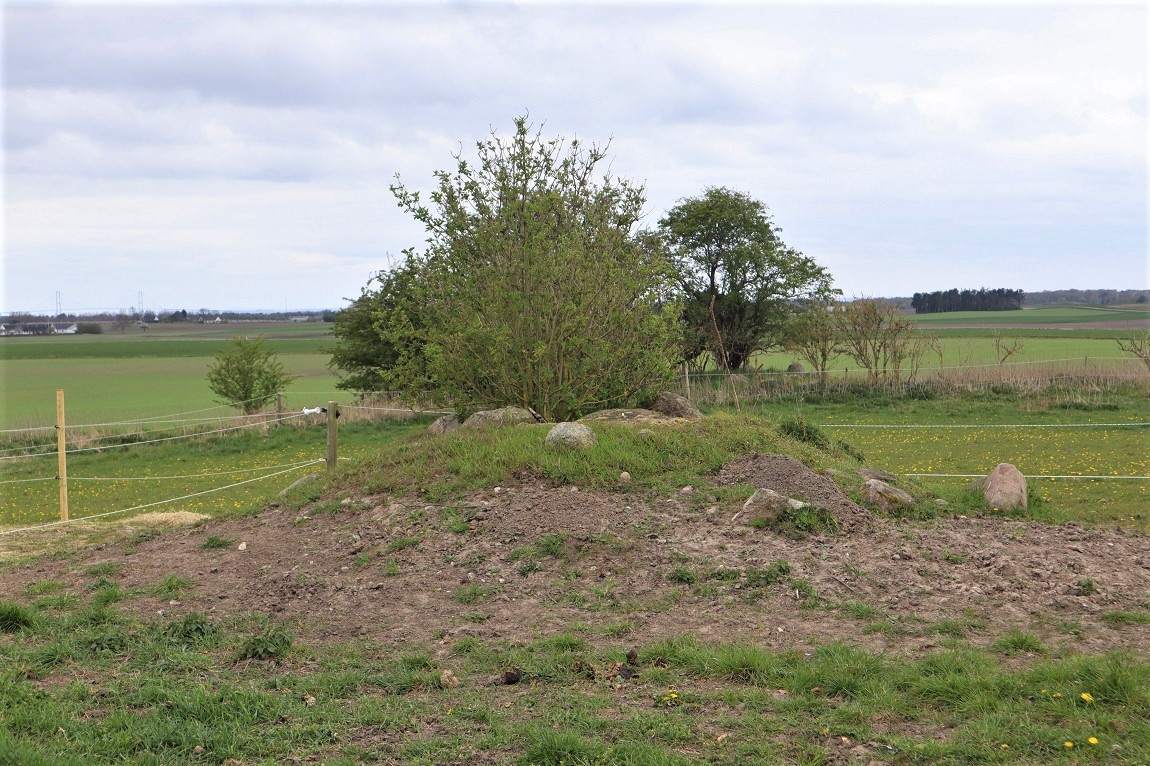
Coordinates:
<point>89,328</point>
<point>246,375</point>
<point>533,290</point>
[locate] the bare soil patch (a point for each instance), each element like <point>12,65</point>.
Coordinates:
<point>399,570</point>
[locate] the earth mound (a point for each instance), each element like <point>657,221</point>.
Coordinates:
<point>788,476</point>
<point>530,559</point>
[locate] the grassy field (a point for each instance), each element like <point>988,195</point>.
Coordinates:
<point>135,475</point>
<point>943,436</point>
<point>100,668</point>
<point>1048,316</point>
<point>962,348</point>
<point>144,374</point>
<point>100,390</point>
<point>87,684</point>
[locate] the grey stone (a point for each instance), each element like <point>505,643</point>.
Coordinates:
<point>443,425</point>
<point>771,503</point>
<point>676,406</point>
<point>505,416</point>
<point>1004,489</point>
<point>885,497</point>
<point>634,414</point>
<point>796,367</point>
<point>570,436</point>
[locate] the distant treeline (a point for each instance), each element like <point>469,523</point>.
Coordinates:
<point>982,299</point>
<point>1092,297</point>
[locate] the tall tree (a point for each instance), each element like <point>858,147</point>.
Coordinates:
<point>380,334</point>
<point>535,288</point>
<point>738,279</point>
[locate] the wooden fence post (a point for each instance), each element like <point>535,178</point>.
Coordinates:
<point>61,454</point>
<point>332,412</point>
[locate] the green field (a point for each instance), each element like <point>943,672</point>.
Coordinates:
<point>1045,316</point>
<point>147,374</point>
<point>160,374</point>
<point>967,347</point>
<point>135,475</point>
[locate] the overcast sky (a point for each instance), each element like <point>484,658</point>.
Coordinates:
<point>238,156</point>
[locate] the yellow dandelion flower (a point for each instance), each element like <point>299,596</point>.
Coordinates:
<point>1093,740</point>
<point>1068,744</point>
<point>1086,697</point>
<point>1004,746</point>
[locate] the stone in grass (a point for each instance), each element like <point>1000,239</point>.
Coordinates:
<point>1004,489</point>
<point>676,406</point>
<point>570,436</point>
<point>883,496</point>
<point>767,502</point>
<point>505,416</point>
<point>443,425</point>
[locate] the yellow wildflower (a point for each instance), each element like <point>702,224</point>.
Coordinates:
<point>1086,697</point>
<point>1093,740</point>
<point>1068,744</point>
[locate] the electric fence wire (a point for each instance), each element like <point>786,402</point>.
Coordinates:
<point>982,475</point>
<point>165,439</point>
<point>984,425</point>
<point>751,373</point>
<point>149,419</point>
<point>158,502</point>
<point>187,475</point>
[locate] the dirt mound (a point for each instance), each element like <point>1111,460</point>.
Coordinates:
<point>530,560</point>
<point>788,476</point>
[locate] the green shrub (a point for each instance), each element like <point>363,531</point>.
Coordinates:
<point>272,644</point>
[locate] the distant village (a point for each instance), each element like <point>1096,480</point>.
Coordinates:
<point>66,324</point>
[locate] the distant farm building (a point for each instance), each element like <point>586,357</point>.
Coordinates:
<point>39,328</point>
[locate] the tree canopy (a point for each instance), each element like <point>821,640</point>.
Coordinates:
<point>535,289</point>
<point>737,278</point>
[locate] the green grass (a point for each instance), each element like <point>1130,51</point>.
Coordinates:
<point>1055,315</point>
<point>665,460</point>
<point>128,690</point>
<point>948,445</point>
<point>246,453</point>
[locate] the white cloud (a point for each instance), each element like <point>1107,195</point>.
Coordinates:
<point>899,143</point>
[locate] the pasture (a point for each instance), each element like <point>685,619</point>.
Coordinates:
<point>1042,434</point>
<point>473,599</point>
<point>1054,316</point>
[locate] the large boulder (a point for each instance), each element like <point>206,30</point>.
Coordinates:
<point>676,406</point>
<point>629,415</point>
<point>1004,489</point>
<point>443,425</point>
<point>883,496</point>
<point>570,436</point>
<point>505,416</point>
